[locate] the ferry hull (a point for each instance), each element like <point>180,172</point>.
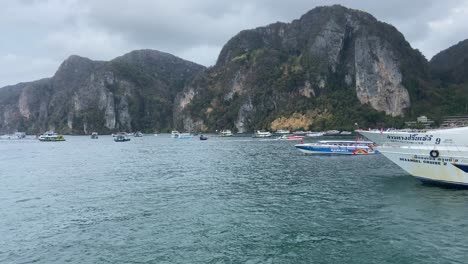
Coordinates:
<point>449,167</point>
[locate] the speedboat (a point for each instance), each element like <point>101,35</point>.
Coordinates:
<point>121,137</point>
<point>315,134</point>
<point>51,136</point>
<point>299,132</point>
<point>346,133</point>
<point>94,135</point>
<point>226,133</point>
<point>436,156</point>
<point>437,137</point>
<point>290,137</point>
<point>338,147</point>
<point>174,134</point>
<point>17,135</point>
<point>202,137</point>
<point>184,136</point>
<point>332,133</point>
<point>262,134</point>
<point>282,132</point>
<point>138,134</point>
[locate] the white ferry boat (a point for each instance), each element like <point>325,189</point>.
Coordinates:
<point>438,137</point>
<point>226,133</point>
<point>338,147</point>
<point>439,156</point>
<point>437,164</point>
<point>51,136</point>
<point>262,134</point>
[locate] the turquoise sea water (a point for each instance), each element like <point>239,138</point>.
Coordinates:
<point>224,200</point>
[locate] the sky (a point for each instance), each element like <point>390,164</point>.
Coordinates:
<point>37,35</point>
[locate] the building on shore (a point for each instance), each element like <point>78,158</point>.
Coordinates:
<point>420,121</point>
<point>454,121</point>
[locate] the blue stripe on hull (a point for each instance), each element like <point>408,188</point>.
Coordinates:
<point>443,183</point>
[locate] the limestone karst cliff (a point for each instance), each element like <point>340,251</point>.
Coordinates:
<point>132,92</point>
<point>333,59</point>
<point>331,68</point>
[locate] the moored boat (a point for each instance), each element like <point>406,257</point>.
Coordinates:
<point>184,136</point>
<point>435,164</point>
<point>138,134</point>
<point>174,134</point>
<point>226,133</point>
<point>290,137</point>
<point>332,133</point>
<point>121,137</point>
<point>338,147</point>
<point>282,132</point>
<point>202,137</point>
<point>51,136</point>
<point>262,134</point>
<point>94,135</point>
<point>315,134</point>
<point>436,137</point>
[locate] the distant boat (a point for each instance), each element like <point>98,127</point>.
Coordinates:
<point>138,134</point>
<point>51,136</point>
<point>262,134</point>
<point>290,137</point>
<point>315,134</point>
<point>282,132</point>
<point>299,132</point>
<point>338,147</point>
<point>332,132</point>
<point>226,133</point>
<point>121,137</point>
<point>184,136</point>
<point>174,134</point>
<point>17,135</point>
<point>346,133</point>
<point>94,135</point>
<point>202,137</point>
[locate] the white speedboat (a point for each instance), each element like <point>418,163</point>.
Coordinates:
<point>262,134</point>
<point>439,137</point>
<point>332,132</point>
<point>17,135</point>
<point>338,147</point>
<point>315,134</point>
<point>226,133</point>
<point>174,134</point>
<point>184,136</point>
<point>94,135</point>
<point>290,137</point>
<point>282,132</point>
<point>51,136</point>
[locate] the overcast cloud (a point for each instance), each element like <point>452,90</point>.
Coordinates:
<point>37,35</point>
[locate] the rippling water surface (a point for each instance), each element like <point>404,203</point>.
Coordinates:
<point>235,200</point>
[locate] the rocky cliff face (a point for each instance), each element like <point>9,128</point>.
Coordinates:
<point>132,92</point>
<point>331,58</point>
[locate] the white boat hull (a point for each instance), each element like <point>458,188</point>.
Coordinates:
<point>449,167</point>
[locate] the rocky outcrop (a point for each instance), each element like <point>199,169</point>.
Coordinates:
<point>132,92</point>
<point>329,55</point>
